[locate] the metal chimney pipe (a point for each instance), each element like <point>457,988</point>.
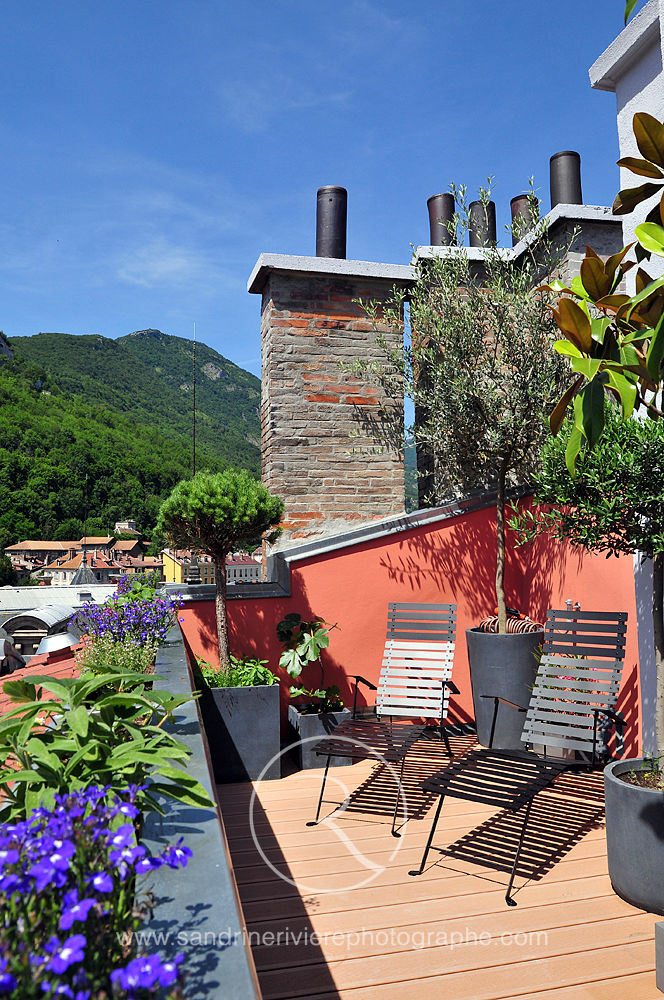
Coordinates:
<point>565,176</point>
<point>441,211</point>
<point>331,211</point>
<point>520,209</point>
<point>482,223</point>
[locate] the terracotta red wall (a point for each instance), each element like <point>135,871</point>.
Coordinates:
<point>452,560</point>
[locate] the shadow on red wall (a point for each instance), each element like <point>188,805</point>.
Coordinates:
<point>452,560</point>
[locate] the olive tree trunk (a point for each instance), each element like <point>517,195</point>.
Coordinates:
<point>500,553</point>
<point>220,610</point>
<point>658,631</point>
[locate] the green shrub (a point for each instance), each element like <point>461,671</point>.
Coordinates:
<point>101,653</point>
<point>104,729</point>
<point>243,671</point>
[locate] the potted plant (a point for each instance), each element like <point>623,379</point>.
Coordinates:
<point>613,505</point>
<point>480,371</point>
<point>303,643</point>
<point>240,708</point>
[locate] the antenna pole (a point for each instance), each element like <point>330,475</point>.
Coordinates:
<point>194,413</point>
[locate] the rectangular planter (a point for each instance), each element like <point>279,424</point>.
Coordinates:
<point>242,728</point>
<point>304,726</point>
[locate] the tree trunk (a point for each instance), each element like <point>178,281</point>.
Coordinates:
<point>658,630</point>
<point>500,553</point>
<point>220,610</point>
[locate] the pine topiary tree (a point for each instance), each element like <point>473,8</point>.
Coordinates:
<point>218,512</point>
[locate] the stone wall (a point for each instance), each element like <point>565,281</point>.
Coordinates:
<point>318,451</point>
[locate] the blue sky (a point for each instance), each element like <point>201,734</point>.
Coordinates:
<point>152,149</point>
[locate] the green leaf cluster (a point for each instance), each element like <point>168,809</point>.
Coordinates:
<point>304,642</point>
<point>100,729</point>
<point>242,671</point>
<point>218,512</point>
<point>615,502</point>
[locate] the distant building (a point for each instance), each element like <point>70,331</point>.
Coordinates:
<point>61,572</point>
<point>30,555</point>
<point>145,564</point>
<point>126,528</point>
<point>240,568</point>
<point>125,547</point>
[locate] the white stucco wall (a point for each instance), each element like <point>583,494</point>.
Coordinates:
<point>631,68</point>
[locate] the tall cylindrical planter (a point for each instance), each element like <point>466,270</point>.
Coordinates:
<point>634,837</point>
<point>502,666</point>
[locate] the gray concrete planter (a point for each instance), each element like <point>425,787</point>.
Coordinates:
<point>242,729</point>
<point>307,726</point>
<point>196,910</point>
<point>502,666</point>
<point>634,837</point>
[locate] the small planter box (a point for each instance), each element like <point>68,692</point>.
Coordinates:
<point>306,726</point>
<point>242,729</point>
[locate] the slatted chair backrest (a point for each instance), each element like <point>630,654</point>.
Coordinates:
<point>578,677</point>
<point>418,659</point>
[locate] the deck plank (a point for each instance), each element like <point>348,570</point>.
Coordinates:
<point>445,933</point>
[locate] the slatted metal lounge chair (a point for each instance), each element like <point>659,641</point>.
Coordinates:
<point>573,707</point>
<point>415,682</point>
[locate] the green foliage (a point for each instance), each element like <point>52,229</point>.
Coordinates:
<point>7,572</point>
<point>243,671</point>
<point>148,377</point>
<point>478,367</point>
<point>615,503</point>
<point>615,342</point>
<point>62,458</point>
<point>104,652</point>
<point>304,642</point>
<point>101,729</point>
<point>218,512</point>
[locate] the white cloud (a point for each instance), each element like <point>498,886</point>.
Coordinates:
<point>253,104</point>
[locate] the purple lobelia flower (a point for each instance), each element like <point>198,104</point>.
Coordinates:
<point>177,855</point>
<point>68,953</point>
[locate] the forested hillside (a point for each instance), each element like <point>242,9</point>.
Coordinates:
<point>149,376</point>
<point>88,430</point>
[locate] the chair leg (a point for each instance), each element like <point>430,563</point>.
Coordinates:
<point>446,739</point>
<point>398,796</point>
<point>508,897</point>
<point>314,822</point>
<point>433,830</point>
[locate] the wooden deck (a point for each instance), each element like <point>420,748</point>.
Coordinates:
<point>355,925</point>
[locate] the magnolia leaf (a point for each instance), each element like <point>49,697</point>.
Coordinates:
<point>649,135</point>
<point>643,279</point>
<point>643,167</point>
<point>572,450</point>
<point>576,286</point>
<point>592,253</point>
<point>656,351</point>
<point>616,259</point>
<point>586,366</point>
<point>567,348</point>
<point>595,280</point>
<point>651,236</point>
<point>558,413</point>
<point>629,7</point>
<point>612,303</point>
<point>627,199</point>
<point>593,411</point>
<point>644,294</point>
<point>575,324</point>
<point>625,390</point>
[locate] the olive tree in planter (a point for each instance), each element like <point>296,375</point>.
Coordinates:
<point>217,512</point>
<point>613,505</point>
<point>303,642</point>
<point>481,373</point>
